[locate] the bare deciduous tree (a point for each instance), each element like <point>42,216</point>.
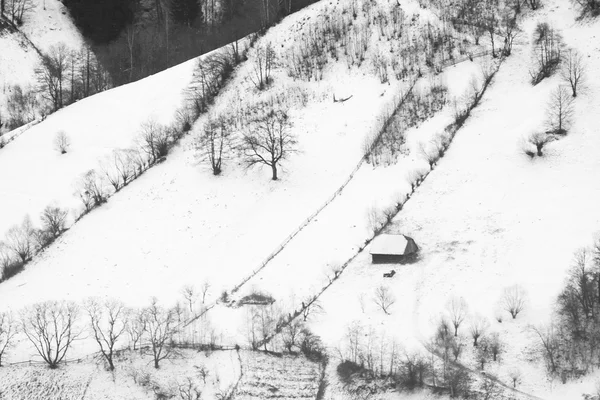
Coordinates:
<point>20,239</point>
<point>573,70</point>
<point>478,328</point>
<point>154,140</point>
<point>291,334</point>
<point>550,345</point>
<point>8,331</point>
<point>560,111</point>
<point>91,189</point>
<point>214,141</point>
<point>384,298</point>
<point>190,294</point>
<point>54,220</point>
<point>457,312</point>
<point>108,321</point>
<point>269,140</point>
<point>539,140</point>
<point>189,390</point>
<point>160,326</point>
<point>496,345</point>
<point>52,328</point>
<point>515,376</point>
<point>513,300</point>
<point>135,326</point>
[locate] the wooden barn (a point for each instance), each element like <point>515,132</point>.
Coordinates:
<point>387,248</point>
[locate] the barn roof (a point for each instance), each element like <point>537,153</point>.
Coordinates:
<point>397,245</point>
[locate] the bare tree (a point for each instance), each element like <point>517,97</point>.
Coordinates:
<point>215,141</point>
<point>161,327</point>
<point>264,61</point>
<point>513,300</point>
<point>550,345</point>
<point>62,142</point>
<point>384,298</point>
<point>496,345</point>
<point>8,331</point>
<point>135,326</point>
<point>154,140</point>
<point>52,73</point>
<point>573,70</point>
<point>478,328</point>
<point>20,239</point>
<point>54,220</point>
<point>108,321</point>
<point>269,140</point>
<point>18,9</point>
<point>52,328</point>
<point>291,334</point>
<point>457,312</point>
<point>204,289</point>
<point>190,295</point>
<point>539,140</point>
<point>515,376</point>
<point>588,7</point>
<point>91,189</point>
<point>560,111</point>
<point>312,307</point>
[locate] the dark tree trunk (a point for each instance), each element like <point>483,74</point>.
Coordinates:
<point>274,168</point>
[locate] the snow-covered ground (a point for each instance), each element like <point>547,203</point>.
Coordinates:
<point>486,218</point>
<point>35,174</point>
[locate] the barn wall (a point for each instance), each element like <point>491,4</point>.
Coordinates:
<point>386,258</point>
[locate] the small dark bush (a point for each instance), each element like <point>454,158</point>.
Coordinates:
<point>346,369</point>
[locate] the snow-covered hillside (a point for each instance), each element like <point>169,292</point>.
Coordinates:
<point>486,217</point>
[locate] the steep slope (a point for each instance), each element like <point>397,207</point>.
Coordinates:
<point>178,224</point>
<point>490,217</point>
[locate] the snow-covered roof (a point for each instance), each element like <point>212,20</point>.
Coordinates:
<point>389,244</point>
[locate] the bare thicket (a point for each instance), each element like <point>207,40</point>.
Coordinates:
<point>547,52</point>
<point>154,140</point>
<point>214,141</point>
<point>560,111</point>
<point>52,328</point>
<point>52,75</point>
<point>20,240</point>
<point>588,7</point>
<point>91,189</point>
<point>384,298</point>
<point>269,140</point>
<point>478,327</point>
<point>513,300</point>
<point>189,390</point>
<point>573,70</point>
<point>108,320</point>
<point>292,334</point>
<point>54,220</point>
<point>311,308</point>
<point>430,155</point>
<point>264,61</point>
<point>550,345</point>
<point>161,326</point>
<point>8,331</point>
<point>22,105</point>
<point>17,10</point>
<point>62,143</point>
<point>457,310</point>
